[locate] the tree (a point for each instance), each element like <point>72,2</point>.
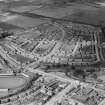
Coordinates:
<point>5,34</point>
<point>62,2</point>
<point>79,73</point>
<point>69,70</point>
<point>22,60</point>
<point>94,76</point>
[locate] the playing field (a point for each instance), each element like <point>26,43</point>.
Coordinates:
<point>3,93</point>
<point>11,82</point>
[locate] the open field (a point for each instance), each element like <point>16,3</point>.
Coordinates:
<point>25,8</point>
<point>56,12</point>
<point>3,93</point>
<point>25,22</point>
<point>29,15</point>
<point>6,26</point>
<point>75,12</point>
<point>10,82</point>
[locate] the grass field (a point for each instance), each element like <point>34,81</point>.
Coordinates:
<point>3,93</point>
<point>6,26</point>
<point>83,13</point>
<point>90,13</point>
<point>25,22</point>
<point>25,8</point>
<point>29,16</point>
<point>11,82</point>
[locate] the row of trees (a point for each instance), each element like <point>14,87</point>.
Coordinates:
<point>69,1</point>
<point>71,71</point>
<point>5,34</point>
<point>22,60</point>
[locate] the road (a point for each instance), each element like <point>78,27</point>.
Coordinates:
<point>60,95</point>
<point>51,75</point>
<point>4,54</point>
<point>56,46</point>
<point>96,47</point>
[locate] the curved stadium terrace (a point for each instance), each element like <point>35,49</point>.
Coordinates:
<point>12,83</point>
